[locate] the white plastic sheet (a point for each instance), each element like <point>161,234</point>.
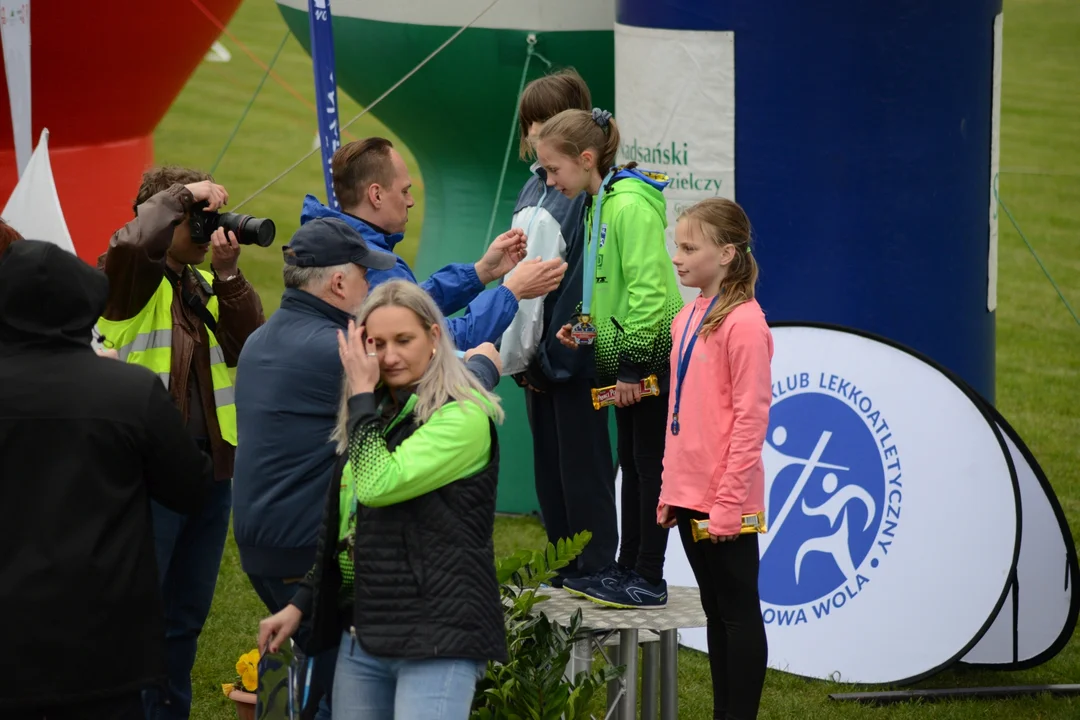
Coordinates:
<point>522,339</point>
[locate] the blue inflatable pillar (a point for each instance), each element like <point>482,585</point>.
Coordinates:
<point>861,138</point>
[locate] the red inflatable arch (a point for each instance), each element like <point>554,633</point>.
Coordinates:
<point>102,76</point>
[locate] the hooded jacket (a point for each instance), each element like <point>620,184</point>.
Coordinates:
<point>453,287</point>
<point>530,350</point>
<point>636,294</point>
<point>85,443</point>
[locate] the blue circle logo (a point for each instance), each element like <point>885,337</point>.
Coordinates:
<point>826,499</point>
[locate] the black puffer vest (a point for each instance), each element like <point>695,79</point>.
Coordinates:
<point>425,573</point>
<point>424,569</point>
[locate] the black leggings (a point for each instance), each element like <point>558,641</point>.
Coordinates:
<point>642,431</point>
<point>727,575</point>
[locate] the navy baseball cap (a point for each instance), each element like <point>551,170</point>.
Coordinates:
<point>325,242</point>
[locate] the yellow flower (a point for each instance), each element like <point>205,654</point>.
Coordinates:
<point>227,688</point>
<point>247,667</point>
<point>249,659</point>
<point>250,679</point>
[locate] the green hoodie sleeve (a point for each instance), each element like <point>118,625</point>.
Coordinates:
<point>454,443</point>
<point>645,263</point>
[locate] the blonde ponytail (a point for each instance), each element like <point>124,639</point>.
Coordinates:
<point>724,222</point>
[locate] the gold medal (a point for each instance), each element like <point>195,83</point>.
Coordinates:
<point>584,332</point>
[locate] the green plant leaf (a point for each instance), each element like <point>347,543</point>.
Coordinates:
<point>532,684</point>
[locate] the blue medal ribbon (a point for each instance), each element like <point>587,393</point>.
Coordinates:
<point>684,361</point>
<point>588,278</point>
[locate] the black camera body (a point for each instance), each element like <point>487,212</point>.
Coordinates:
<point>249,230</point>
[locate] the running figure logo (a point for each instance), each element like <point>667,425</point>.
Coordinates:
<point>825,479</point>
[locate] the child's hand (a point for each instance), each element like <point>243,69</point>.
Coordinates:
<point>627,394</point>
<point>566,338</point>
<point>665,516</point>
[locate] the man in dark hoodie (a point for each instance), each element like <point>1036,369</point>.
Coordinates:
<point>85,443</point>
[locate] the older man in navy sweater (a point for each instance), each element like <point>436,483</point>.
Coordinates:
<point>288,389</point>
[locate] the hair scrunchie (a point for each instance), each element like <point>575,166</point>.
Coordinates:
<point>601,117</point>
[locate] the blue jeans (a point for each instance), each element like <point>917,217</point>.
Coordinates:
<point>188,549</point>
<point>372,688</point>
<point>276,593</point>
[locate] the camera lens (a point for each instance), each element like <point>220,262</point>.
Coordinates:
<point>250,230</point>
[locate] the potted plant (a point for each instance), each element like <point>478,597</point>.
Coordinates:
<point>531,684</point>
<point>242,690</point>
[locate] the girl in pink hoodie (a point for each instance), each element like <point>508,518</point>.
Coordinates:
<point>717,419</point>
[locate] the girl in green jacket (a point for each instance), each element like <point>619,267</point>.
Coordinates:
<point>629,297</point>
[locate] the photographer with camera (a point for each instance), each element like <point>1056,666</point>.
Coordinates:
<point>188,326</point>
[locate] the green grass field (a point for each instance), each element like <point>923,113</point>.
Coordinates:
<point>1038,343</point>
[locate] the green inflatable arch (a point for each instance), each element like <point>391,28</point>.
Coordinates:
<point>455,117</point>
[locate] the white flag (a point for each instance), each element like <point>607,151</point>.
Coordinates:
<point>15,36</point>
<point>34,206</point>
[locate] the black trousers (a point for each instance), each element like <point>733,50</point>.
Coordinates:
<point>124,707</point>
<point>642,432</point>
<point>575,478</point>
<point>727,575</point>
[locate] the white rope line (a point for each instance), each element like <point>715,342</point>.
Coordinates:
<point>377,100</point>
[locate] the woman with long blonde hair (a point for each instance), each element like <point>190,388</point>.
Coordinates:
<point>404,582</point>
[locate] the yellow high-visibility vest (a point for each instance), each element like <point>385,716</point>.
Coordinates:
<point>146,340</point>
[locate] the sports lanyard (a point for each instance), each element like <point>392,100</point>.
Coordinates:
<point>684,361</point>
<point>588,279</point>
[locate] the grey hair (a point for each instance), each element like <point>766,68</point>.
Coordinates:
<point>446,377</point>
<point>303,278</point>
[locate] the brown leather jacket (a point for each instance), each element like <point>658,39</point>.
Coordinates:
<point>135,265</point>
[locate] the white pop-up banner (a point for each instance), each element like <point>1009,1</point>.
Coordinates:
<point>15,37</point>
<point>893,515</point>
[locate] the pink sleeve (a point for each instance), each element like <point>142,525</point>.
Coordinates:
<point>749,356</point>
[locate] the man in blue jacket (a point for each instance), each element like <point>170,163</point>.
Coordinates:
<point>371,181</point>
